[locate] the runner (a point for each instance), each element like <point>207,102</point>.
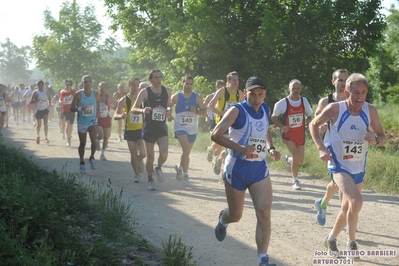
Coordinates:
<point>30,106</point>
<point>219,104</point>
<point>338,80</point>
<point>86,102</point>
<point>295,112</point>
<point>16,103</point>
<point>133,128</point>
<point>24,102</point>
<point>188,106</point>
<point>104,120</point>
<point>117,96</point>
<point>3,107</point>
<point>350,133</point>
<point>41,98</point>
<point>246,165</point>
<point>157,101</point>
<point>67,115</point>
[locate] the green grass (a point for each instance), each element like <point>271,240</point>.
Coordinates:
<point>47,218</point>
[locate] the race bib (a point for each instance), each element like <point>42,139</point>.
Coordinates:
<point>158,114</point>
<point>295,120</point>
<point>103,110</point>
<point>228,105</point>
<point>260,149</point>
<point>352,151</point>
<point>68,100</point>
<point>89,111</point>
<point>42,103</point>
<point>187,120</point>
<point>136,118</point>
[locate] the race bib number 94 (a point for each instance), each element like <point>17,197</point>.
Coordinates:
<point>260,149</point>
<point>352,150</point>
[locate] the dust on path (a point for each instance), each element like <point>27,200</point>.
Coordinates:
<point>193,211</point>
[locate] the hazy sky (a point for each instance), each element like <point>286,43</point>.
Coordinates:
<point>20,20</point>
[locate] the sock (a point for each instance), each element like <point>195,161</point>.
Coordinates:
<point>220,220</point>
<point>185,173</point>
<point>150,178</point>
<point>260,256</point>
<point>82,163</point>
<point>45,137</point>
<point>295,179</point>
<point>331,237</point>
<point>323,204</point>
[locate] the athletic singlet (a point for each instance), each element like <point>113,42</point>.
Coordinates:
<point>41,100</point>
<point>226,102</point>
<point>250,128</point>
<point>133,121</point>
<point>87,116</point>
<point>3,107</point>
<point>66,99</point>
<point>15,97</point>
<point>348,147</point>
<point>326,136</point>
<point>185,119</point>
<point>157,116</point>
<point>104,107</point>
<point>294,117</point>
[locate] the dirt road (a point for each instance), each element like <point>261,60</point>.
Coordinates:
<point>193,211</point>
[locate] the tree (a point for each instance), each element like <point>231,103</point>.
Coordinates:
<point>73,48</point>
<point>276,40</point>
<point>14,63</point>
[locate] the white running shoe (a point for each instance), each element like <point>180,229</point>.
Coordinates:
<point>68,143</point>
<point>151,185</point>
<point>137,178</point>
<point>102,157</point>
<point>159,173</point>
<point>93,163</point>
<point>186,181</point>
<point>296,185</point>
<point>179,173</point>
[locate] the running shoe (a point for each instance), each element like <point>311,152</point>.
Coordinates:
<point>296,185</point>
<point>179,173</point>
<point>159,173</point>
<point>119,139</point>
<point>264,261</point>
<point>82,169</point>
<point>353,252</point>
<point>38,140</point>
<point>209,154</point>
<point>141,166</point>
<point>321,213</point>
<point>137,178</point>
<point>102,157</point>
<point>220,230</point>
<point>331,246</point>
<point>68,143</point>
<point>216,165</point>
<point>186,180</point>
<point>150,185</point>
<point>93,163</point>
<point>46,140</point>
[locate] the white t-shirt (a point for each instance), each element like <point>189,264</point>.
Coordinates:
<point>281,106</point>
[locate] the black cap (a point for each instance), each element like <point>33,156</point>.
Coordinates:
<point>254,82</point>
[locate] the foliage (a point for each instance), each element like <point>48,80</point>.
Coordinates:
<point>14,62</point>
<point>73,48</point>
<point>50,219</point>
<point>276,40</point>
<point>176,252</point>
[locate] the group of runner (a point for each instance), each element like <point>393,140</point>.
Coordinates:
<point>239,121</point>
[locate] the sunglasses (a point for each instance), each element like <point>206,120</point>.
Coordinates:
<point>87,81</point>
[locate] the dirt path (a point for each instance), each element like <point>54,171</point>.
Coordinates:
<point>193,211</point>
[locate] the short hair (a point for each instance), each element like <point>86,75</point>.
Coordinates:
<point>355,78</point>
<point>86,76</point>
<point>220,82</point>
<point>336,73</point>
<point>187,76</point>
<point>40,81</point>
<point>132,79</point>
<point>152,71</point>
<point>68,80</point>
<point>293,81</point>
<point>231,74</point>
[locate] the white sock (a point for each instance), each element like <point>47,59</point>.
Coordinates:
<point>295,178</point>
<point>260,256</point>
<point>220,220</point>
<point>331,237</point>
<point>185,173</point>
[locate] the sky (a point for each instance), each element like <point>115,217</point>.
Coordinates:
<point>20,20</point>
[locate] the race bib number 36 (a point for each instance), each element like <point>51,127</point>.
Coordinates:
<point>352,150</point>
<point>158,114</point>
<point>260,149</point>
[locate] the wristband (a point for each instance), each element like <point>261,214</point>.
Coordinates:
<point>79,109</point>
<point>271,148</point>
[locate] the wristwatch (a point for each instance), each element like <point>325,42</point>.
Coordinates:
<point>377,140</point>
